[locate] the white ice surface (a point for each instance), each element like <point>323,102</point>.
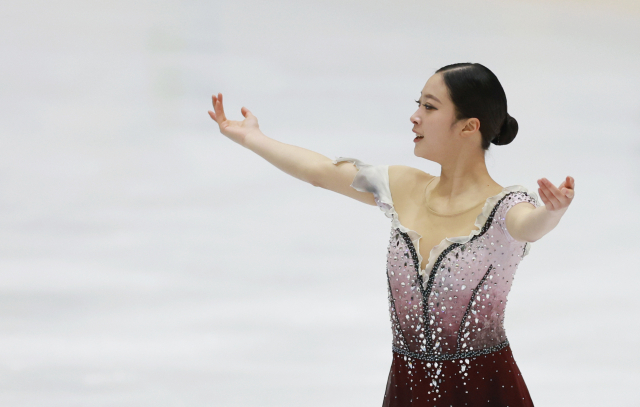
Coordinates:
<point>146,260</point>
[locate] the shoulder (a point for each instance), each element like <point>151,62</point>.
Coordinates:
<point>513,197</point>
<point>517,194</point>
<point>404,179</point>
<point>515,207</point>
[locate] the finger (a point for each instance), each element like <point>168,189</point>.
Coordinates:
<point>554,193</point>
<point>245,112</point>
<point>213,115</point>
<point>553,201</point>
<point>542,194</point>
<point>214,99</point>
<point>568,189</point>
<point>544,198</point>
<point>558,198</point>
<point>563,185</point>
<point>568,193</point>
<point>550,203</point>
<point>569,182</point>
<point>220,109</point>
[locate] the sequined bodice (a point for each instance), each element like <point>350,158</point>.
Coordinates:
<point>458,311</point>
<point>452,312</point>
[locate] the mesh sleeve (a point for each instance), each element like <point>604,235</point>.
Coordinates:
<point>509,201</point>
<point>374,179</point>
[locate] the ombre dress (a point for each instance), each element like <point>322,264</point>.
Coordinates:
<point>449,343</point>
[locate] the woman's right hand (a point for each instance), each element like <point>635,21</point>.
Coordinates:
<point>235,130</point>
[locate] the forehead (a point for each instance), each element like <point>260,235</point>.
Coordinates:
<point>435,86</point>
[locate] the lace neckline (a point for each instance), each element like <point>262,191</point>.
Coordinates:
<point>480,221</point>
<point>447,215</point>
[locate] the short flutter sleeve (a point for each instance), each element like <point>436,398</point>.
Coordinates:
<point>509,201</point>
<point>374,179</point>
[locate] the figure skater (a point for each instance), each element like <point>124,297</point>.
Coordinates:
<point>449,343</point>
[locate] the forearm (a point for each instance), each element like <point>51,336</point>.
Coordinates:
<point>296,161</point>
<point>540,221</point>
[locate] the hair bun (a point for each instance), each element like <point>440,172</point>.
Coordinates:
<point>507,133</point>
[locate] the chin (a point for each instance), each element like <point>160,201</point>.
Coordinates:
<point>423,153</point>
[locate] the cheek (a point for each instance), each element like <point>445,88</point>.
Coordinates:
<point>432,127</point>
<point>438,126</point>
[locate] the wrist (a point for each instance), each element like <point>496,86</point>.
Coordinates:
<point>555,213</point>
<point>251,137</point>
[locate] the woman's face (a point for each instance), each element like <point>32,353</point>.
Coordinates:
<point>435,120</point>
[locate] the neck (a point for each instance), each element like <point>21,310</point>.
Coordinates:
<point>463,178</point>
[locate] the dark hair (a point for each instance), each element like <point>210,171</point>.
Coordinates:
<point>476,92</point>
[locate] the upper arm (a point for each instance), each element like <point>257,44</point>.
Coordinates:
<point>513,220</point>
<point>338,178</point>
<point>371,184</point>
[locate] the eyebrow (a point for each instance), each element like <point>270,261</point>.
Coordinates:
<point>430,96</point>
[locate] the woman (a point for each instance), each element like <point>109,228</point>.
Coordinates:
<point>449,344</point>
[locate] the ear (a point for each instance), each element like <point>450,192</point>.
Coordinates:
<point>471,127</point>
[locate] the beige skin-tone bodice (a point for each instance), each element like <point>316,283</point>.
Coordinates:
<point>416,212</point>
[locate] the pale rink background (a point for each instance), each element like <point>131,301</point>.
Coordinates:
<point>147,260</point>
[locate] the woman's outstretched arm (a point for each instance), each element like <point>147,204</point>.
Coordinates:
<point>528,224</point>
<point>306,165</point>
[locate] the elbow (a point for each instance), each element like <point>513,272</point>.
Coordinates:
<point>532,239</point>
<point>316,176</point>
<point>525,239</point>
<point>314,182</point>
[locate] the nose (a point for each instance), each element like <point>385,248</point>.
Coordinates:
<point>414,119</point>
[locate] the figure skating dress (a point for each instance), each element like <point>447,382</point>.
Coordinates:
<point>449,344</point>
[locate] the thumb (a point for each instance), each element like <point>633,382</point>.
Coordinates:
<point>568,192</point>
<point>246,112</point>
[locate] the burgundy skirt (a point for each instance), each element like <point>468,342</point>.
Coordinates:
<point>491,380</point>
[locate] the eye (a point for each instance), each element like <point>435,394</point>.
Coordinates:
<point>425,105</point>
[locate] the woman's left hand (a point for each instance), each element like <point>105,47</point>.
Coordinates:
<point>556,198</point>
